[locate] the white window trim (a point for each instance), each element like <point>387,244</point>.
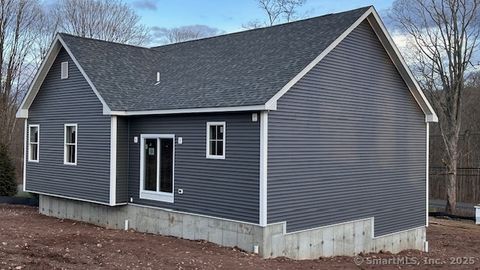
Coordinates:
<point>64,70</point>
<point>224,140</point>
<point>65,144</point>
<point>156,195</point>
<point>30,144</point>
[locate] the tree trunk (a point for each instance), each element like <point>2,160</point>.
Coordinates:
<point>452,188</point>
<point>452,161</point>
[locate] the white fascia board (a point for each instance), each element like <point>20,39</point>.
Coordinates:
<point>42,72</point>
<point>279,94</point>
<point>372,17</point>
<point>194,110</point>
<point>39,77</point>
<point>402,67</point>
<point>106,109</point>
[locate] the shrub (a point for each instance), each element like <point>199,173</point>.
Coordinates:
<point>8,186</point>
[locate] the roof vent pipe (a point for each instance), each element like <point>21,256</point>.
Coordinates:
<point>158,78</point>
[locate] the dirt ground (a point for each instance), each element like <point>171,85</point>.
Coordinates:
<point>29,240</point>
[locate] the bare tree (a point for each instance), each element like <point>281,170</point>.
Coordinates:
<point>290,9</point>
<point>110,20</point>
<point>280,10</point>
<point>20,21</point>
<point>18,30</point>
<point>27,28</point>
<point>253,24</point>
<point>272,8</point>
<point>184,33</point>
<point>276,11</point>
<point>445,34</point>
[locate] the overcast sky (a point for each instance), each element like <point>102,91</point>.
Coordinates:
<point>229,15</point>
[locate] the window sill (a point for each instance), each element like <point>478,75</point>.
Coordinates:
<point>156,196</point>
<point>215,157</point>
<point>70,164</point>
<point>34,161</point>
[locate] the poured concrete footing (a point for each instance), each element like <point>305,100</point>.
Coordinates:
<point>348,238</point>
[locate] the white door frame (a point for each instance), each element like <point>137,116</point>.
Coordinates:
<point>156,195</point>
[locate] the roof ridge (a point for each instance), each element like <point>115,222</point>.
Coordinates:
<point>101,40</point>
<point>260,28</point>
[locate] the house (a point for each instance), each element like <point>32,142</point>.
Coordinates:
<point>303,139</point>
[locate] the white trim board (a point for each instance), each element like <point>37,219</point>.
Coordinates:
<point>29,144</point>
<point>370,15</point>
<point>25,155</point>
<point>113,161</point>
<point>193,110</point>
<point>224,139</point>
<point>402,67</point>
<point>427,157</point>
<point>42,72</point>
<point>263,168</point>
<point>168,197</point>
<point>65,162</point>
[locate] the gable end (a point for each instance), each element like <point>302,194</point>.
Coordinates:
<point>378,27</point>
<point>41,74</point>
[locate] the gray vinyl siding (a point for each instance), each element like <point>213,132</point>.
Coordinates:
<point>70,101</point>
<point>348,142</point>
<point>122,160</point>
<point>226,188</point>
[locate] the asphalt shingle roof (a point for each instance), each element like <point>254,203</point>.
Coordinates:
<point>239,69</point>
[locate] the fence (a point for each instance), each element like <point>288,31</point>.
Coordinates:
<point>468,184</point>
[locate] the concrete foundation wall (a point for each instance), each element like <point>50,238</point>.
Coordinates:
<point>346,239</point>
<point>340,239</point>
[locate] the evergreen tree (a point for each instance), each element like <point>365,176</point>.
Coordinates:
<point>8,186</point>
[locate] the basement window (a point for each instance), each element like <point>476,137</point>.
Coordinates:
<point>64,70</point>
<point>33,142</point>
<point>216,140</point>
<point>70,148</point>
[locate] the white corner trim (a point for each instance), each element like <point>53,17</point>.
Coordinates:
<point>312,64</point>
<point>42,72</point>
<point>113,161</point>
<point>25,157</point>
<point>263,167</point>
<point>427,172</point>
<point>381,31</point>
<point>193,110</point>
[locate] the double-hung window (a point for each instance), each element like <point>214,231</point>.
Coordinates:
<point>70,148</point>
<point>216,140</point>
<point>33,142</point>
